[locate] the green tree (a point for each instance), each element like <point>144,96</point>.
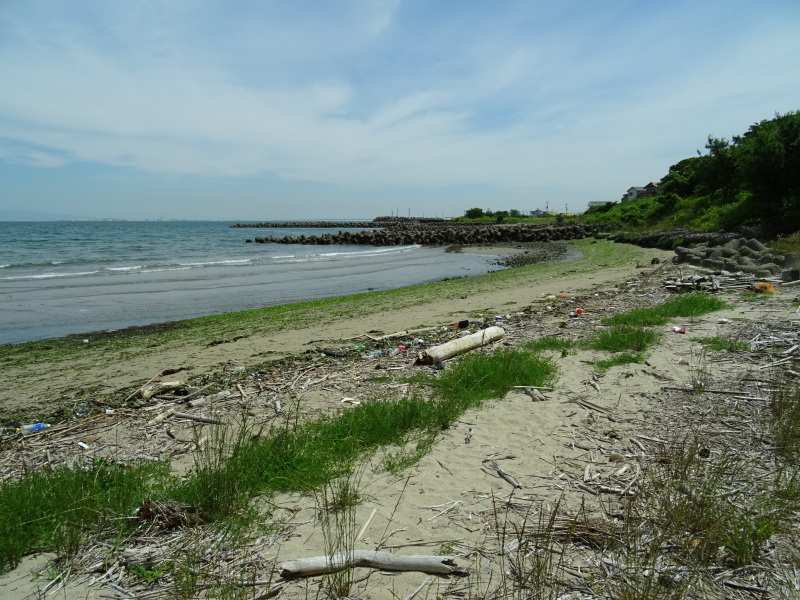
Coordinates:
<point>768,158</point>
<point>500,215</point>
<point>717,173</point>
<point>474,213</point>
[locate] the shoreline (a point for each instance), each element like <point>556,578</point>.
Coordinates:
<point>507,256</point>
<point>136,290</point>
<point>61,373</point>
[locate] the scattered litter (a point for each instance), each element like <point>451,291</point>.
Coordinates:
<point>33,427</point>
<point>764,288</point>
<point>679,329</point>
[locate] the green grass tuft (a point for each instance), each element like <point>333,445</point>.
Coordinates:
<point>57,508</point>
<point>683,306</point>
<point>619,360</point>
<point>720,344</point>
<point>481,376</point>
<point>624,338</point>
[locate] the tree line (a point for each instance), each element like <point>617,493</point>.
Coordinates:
<point>752,179</point>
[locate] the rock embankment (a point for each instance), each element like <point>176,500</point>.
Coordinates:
<point>718,251</point>
<point>738,254</point>
<point>442,234</point>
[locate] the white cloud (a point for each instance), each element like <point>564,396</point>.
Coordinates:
<point>372,93</point>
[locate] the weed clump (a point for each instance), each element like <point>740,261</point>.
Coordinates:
<point>683,306</point>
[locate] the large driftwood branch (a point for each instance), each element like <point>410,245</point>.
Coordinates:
<point>459,346</point>
<point>198,418</point>
<point>319,565</point>
<point>152,388</point>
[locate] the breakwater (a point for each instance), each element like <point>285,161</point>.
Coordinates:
<point>438,233</point>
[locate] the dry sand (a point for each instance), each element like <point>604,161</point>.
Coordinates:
<point>448,503</point>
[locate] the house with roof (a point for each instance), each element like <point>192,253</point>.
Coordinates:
<point>648,191</point>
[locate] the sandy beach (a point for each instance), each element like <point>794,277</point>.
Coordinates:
<point>57,379</point>
<point>591,430</point>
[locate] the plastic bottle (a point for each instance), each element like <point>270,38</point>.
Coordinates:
<point>33,427</point>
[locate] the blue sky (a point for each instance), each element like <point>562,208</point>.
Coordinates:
<point>261,110</point>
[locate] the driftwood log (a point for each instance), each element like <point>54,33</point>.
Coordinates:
<point>460,346</point>
<point>153,388</point>
<point>320,565</point>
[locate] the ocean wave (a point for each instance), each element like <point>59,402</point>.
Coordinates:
<point>46,276</point>
<point>214,263</point>
<point>371,251</point>
<point>164,269</point>
<point>133,268</point>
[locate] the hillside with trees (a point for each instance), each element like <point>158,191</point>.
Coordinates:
<point>753,179</point>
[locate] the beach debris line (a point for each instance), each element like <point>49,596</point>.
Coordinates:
<point>438,354</point>
<point>374,559</point>
<point>724,281</point>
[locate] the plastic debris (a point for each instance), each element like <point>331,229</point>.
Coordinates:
<point>764,288</point>
<point>33,427</point>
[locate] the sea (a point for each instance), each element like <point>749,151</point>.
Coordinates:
<point>76,277</point>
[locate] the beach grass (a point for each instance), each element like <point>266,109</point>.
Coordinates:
<point>722,344</point>
<point>683,306</point>
<point>628,335</point>
<point>59,508</point>
<point>624,338</point>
